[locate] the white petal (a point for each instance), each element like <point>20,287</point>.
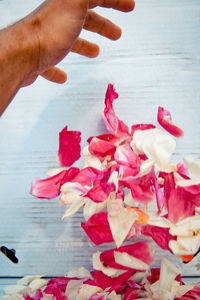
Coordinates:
<point>168,273</point>
<point>146,166</point>
<point>37,283</point>
<point>90,160</point>
<point>26,280</point>
<point>120,220</point>
<point>15,289</point>
<point>55,171</point>
<point>113,296</point>
<point>192,165</point>
<point>187,182</point>
<point>159,221</point>
<point>127,260</point>
<point>90,208</point>
<point>72,289</point>
<point>191,243</point>
<point>183,289</point>
<point>128,200</point>
<point>75,206</point>
<point>177,249</point>
<point>98,265</point>
<point>80,273</point>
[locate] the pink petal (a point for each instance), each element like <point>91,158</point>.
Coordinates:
<point>160,235</point>
<point>140,250</point>
<point>124,155</point>
<point>69,147</point>
<point>182,170</point>
<point>50,187</point>
<point>117,284</point>
<point>112,122</point>
<point>101,148</point>
<point>100,191</point>
<point>53,289</point>
<point>87,176</point>
<point>131,294</point>
<point>164,119</point>
<point>97,228</point>
<point>159,195</point>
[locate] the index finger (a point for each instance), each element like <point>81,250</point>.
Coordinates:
<point>122,5</point>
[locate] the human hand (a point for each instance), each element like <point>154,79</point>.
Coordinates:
<point>56,25</point>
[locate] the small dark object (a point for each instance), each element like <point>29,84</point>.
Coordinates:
<point>10,254</point>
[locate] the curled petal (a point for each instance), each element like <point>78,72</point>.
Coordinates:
<point>165,120</point>
<point>112,122</point>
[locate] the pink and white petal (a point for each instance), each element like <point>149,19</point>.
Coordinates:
<point>165,120</point>
<point>73,288</point>
<point>126,156</point>
<point>159,222</point>
<point>160,199</point>
<point>117,284</point>
<point>182,170</point>
<point>71,191</point>
<point>192,294</point>
<point>160,235</point>
<point>100,191</point>
<point>126,260</point>
<point>120,220</point>
<point>146,167</point>
<point>69,147</point>
<point>86,291</point>
<point>109,271</point>
<point>140,250</point>
<point>190,243</point>
<point>98,296</point>
<point>184,289</point>
<point>74,207</point>
<point>186,227</point>
<point>80,273</point>
<point>47,188</point>
<point>87,176</point>
<point>113,296</point>
<point>112,122</point>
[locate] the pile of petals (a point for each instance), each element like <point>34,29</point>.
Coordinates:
<point>127,172</point>
<point>120,273</point>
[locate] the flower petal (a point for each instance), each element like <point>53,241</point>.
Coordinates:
<point>165,120</point>
<point>50,187</point>
<point>69,147</point>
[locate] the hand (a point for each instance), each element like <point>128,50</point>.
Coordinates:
<point>56,24</point>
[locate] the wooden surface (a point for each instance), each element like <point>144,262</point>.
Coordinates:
<point>156,62</point>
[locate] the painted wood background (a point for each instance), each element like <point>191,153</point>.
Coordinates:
<point>156,62</point>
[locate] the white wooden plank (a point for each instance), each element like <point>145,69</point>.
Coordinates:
<point>156,62</point>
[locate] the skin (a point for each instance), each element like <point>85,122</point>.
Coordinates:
<point>33,46</point>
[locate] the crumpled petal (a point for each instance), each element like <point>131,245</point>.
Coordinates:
<point>112,122</point>
<point>69,147</point>
<point>165,120</point>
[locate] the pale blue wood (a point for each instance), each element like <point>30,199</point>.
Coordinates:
<point>156,62</point>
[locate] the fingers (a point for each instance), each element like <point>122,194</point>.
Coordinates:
<point>85,48</point>
<point>55,75</point>
<point>122,5</point>
<point>101,25</point>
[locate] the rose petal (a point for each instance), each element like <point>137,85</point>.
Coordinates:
<point>50,187</point>
<point>112,122</point>
<point>165,120</point>
<point>69,147</point>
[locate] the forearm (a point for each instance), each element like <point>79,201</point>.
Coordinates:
<point>17,60</point>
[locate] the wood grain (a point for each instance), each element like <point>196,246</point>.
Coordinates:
<point>156,62</point>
